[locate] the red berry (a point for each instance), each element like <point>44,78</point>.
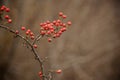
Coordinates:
<point>35,46</point>
<point>57,35</point>
<point>54,36</point>
<point>32,37</point>
<point>51,30</point>
<point>17,32</point>
<point>54,22</point>
<point>48,22</point>
<point>48,32</point>
<point>63,29</point>
<point>57,24</point>
<point>2,8</point>
<point>40,74</point>
<point>31,33</point>
<point>58,21</point>
<point>42,32</point>
<point>60,32</point>
<point>49,39</point>
<point>7,10</point>
<point>69,23</point>
<point>7,17</point>
<point>64,16</point>
<point>9,20</point>
<point>60,13</point>
<point>23,28</point>
<point>64,25</point>
<point>58,71</point>
<point>27,32</point>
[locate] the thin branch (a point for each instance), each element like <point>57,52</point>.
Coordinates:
<point>30,44</point>
<point>38,37</point>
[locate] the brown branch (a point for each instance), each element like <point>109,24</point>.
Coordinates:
<point>30,44</point>
<point>38,37</point>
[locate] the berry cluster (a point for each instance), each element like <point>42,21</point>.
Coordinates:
<point>5,9</point>
<point>49,29</point>
<point>28,33</point>
<point>54,29</point>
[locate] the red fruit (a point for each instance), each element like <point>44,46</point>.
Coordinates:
<point>2,8</point>
<point>41,24</point>
<point>48,22</point>
<point>64,16</point>
<point>17,32</point>
<point>51,30</point>
<point>48,32</point>
<point>60,32</point>
<point>9,20</point>
<point>42,32</point>
<point>35,46</point>
<point>32,37</point>
<point>23,28</point>
<point>64,25</point>
<point>60,13</point>
<point>31,33</point>
<point>58,71</point>
<point>27,32</point>
<point>49,39</point>
<point>40,74</point>
<point>57,24</point>
<point>58,21</point>
<point>69,23</point>
<point>7,10</point>
<point>7,17</point>
<point>57,35</point>
<point>63,29</point>
<point>54,22</point>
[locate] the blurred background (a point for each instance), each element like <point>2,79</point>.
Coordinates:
<point>89,50</point>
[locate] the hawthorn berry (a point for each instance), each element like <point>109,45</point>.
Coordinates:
<point>27,32</point>
<point>40,74</point>
<point>48,32</point>
<point>3,8</point>
<point>60,13</point>
<point>9,20</point>
<point>64,16</point>
<point>32,37</point>
<point>49,39</point>
<point>42,32</point>
<point>63,29</point>
<point>58,71</point>
<point>7,17</point>
<point>54,36</point>
<point>58,21</point>
<point>7,9</point>
<point>35,46</point>
<point>17,32</point>
<point>31,34</point>
<point>23,28</point>
<point>64,25</point>
<point>57,35</point>
<point>69,23</point>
